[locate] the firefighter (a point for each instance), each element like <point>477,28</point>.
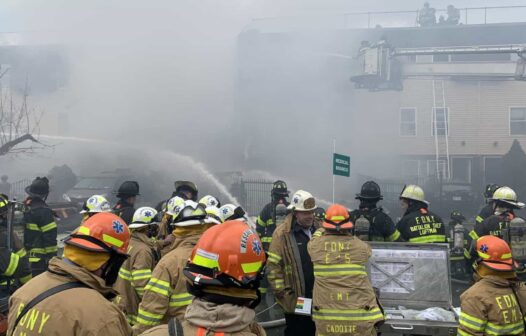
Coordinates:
<point>165,295</point>
<point>5,186</point>
<point>504,202</point>
<point>226,287</point>
<point>418,224</point>
<point>187,190</point>
<point>232,212</point>
<point>266,222</point>
<point>166,217</point>
<point>14,263</point>
<point>496,303</point>
<point>73,296</point>
<point>487,210</point>
<point>127,195</point>
<point>94,205</point>
<point>344,302</point>
<point>290,271</point>
<point>137,269</point>
<point>210,201</point>
<point>370,221</point>
<point>40,231</point>
<point>427,16</point>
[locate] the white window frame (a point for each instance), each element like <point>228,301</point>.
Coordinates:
<point>470,166</point>
<point>433,120</point>
<point>400,122</point>
<point>509,119</point>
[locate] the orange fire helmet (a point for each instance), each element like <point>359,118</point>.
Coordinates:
<point>229,255</point>
<point>495,253</point>
<point>103,232</point>
<point>337,218</point>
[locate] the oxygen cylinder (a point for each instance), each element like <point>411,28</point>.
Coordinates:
<point>361,228</point>
<point>281,213</point>
<point>458,237</point>
<point>515,235</point>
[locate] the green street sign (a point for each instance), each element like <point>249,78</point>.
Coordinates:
<point>341,165</point>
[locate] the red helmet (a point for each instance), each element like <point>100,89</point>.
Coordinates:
<point>337,218</point>
<point>495,253</point>
<point>229,255</point>
<point>103,232</point>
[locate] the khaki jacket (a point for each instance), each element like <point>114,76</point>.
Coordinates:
<point>135,274</point>
<point>76,312</point>
<point>344,302</point>
<point>493,306</point>
<point>283,266</point>
<point>225,319</point>
<point>166,296</point>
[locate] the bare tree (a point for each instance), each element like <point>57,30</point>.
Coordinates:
<point>19,124</point>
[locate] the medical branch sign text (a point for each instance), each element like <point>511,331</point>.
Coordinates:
<point>341,165</point>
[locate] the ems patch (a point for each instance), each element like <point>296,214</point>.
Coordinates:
<point>256,247</point>
<point>484,248</point>
<point>118,227</point>
<point>148,213</point>
<point>244,240</point>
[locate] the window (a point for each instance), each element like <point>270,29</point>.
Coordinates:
<point>408,122</point>
<point>411,171</point>
<point>432,169</point>
<point>492,169</point>
<point>441,118</point>
<point>441,58</point>
<point>517,120</point>
<point>461,170</point>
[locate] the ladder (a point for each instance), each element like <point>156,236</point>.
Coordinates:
<point>441,140</point>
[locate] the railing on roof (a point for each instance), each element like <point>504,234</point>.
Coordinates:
<point>468,15</point>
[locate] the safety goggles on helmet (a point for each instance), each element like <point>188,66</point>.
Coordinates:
<point>337,218</point>
<point>495,254</point>
<point>228,255</point>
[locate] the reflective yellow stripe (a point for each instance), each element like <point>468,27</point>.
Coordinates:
<point>274,258</point>
<point>159,286</point>
<point>429,239</point>
<point>479,219</point>
<point>84,230</point>
<point>32,227</point>
<point>251,267</point>
<point>394,236</point>
<point>483,255</point>
<point>13,264</point>
<point>132,319</point>
<point>348,314</point>
<point>34,259</point>
<point>48,227</point>
<point>507,329</point>
<point>318,233</point>
<point>471,322</point>
<point>149,319</point>
<point>180,300</point>
<point>112,240</point>
<point>125,275</point>
<point>341,269</point>
<point>473,235</point>
<point>205,262</point>
<point>51,249</point>
<point>266,239</point>
<point>337,218</point>
<point>462,333</point>
<point>141,274</point>
<point>260,222</point>
<point>21,253</point>
<point>467,255</point>
<point>506,256</point>
<point>26,278</point>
